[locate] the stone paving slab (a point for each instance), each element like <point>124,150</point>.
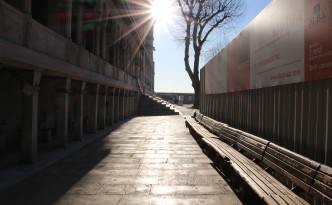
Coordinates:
<point>147,160</point>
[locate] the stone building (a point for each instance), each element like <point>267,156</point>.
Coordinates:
<point>69,67</point>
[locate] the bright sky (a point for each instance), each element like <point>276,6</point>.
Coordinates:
<point>170,75</point>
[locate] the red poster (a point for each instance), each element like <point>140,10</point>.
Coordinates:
<point>238,63</point>
<point>318,39</point>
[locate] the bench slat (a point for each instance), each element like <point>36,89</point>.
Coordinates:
<point>285,173</point>
<point>323,190</point>
<point>323,184</point>
<point>324,175</point>
<point>254,148</point>
<point>198,117</point>
<point>255,176</point>
<point>287,162</point>
<point>311,176</point>
<point>304,160</point>
<point>207,122</point>
<point>218,127</point>
<point>253,137</point>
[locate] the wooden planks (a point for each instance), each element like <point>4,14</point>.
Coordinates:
<point>322,185</point>
<point>304,173</point>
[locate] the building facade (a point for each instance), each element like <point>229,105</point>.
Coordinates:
<point>69,67</point>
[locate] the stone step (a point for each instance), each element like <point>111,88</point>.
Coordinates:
<point>155,107</point>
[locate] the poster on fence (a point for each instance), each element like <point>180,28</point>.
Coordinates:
<point>215,74</point>
<point>277,44</point>
<point>238,62</point>
<point>318,39</point>
<point>288,42</point>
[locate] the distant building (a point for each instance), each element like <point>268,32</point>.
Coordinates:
<point>188,98</point>
<point>69,67</point>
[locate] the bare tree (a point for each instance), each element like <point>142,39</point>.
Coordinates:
<point>201,18</point>
<point>210,51</point>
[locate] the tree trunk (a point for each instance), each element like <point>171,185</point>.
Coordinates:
<point>196,86</point>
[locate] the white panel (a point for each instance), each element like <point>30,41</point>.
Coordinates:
<point>277,44</point>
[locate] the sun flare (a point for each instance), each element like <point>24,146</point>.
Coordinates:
<point>162,11</point>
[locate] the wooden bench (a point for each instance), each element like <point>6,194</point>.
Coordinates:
<point>322,185</point>
<point>305,174</point>
<point>208,123</point>
<point>246,174</point>
<point>197,129</point>
<point>198,117</point>
<point>242,171</point>
<point>193,122</point>
<point>253,146</point>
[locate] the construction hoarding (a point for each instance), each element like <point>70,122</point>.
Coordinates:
<point>288,42</point>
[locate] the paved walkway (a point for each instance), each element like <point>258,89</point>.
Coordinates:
<point>147,160</point>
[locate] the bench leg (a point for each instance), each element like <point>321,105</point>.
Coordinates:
<point>247,194</point>
<point>297,190</point>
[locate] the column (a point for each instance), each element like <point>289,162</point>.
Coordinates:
<point>62,101</point>
<point>130,103</point>
<point>93,110</point>
<point>116,105</point>
<point>121,104</point>
<point>108,107</point>
<point>111,105</point>
<point>102,107</point>
<point>125,104</point>
<point>78,100</point>
<point>136,102</point>
<point>30,117</point>
<point>133,99</point>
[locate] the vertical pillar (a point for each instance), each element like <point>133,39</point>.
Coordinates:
<point>62,111</point>
<point>102,107</point>
<point>116,105</point>
<point>93,110</point>
<point>126,104</point>
<point>131,111</point>
<point>108,108</point>
<point>121,104</point>
<point>111,105</point>
<point>78,100</point>
<point>133,98</point>
<point>69,8</point>
<point>30,117</point>
<point>134,103</point>
<point>137,96</point>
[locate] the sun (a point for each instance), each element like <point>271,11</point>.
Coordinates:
<point>163,11</point>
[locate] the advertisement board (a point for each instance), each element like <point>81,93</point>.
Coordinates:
<point>216,74</point>
<point>318,40</point>
<point>238,62</point>
<point>276,44</point>
<point>288,42</point>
